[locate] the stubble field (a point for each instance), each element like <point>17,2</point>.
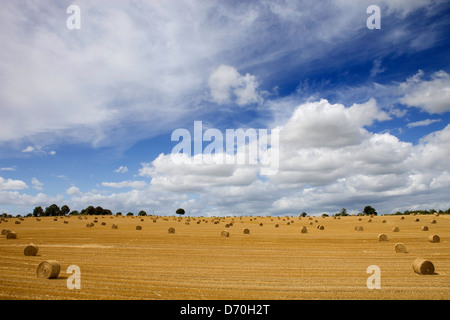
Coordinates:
<point>196,262</point>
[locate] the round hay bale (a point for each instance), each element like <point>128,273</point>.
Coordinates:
<point>31,250</point>
<point>304,230</point>
<point>277,225</point>
<point>359,219</point>
<point>5,232</point>
<point>16,222</point>
<point>370,220</point>
<point>138,227</point>
<point>402,218</point>
<point>11,235</point>
<point>89,225</point>
<point>65,222</point>
<point>103,223</point>
<point>433,221</point>
<point>246,231</point>
<point>321,228</point>
<point>115,226</point>
<point>171,230</point>
<point>261,224</point>
<point>382,237</point>
<point>38,219</point>
<point>423,266</point>
<point>360,228</point>
<point>424,228</point>
<point>48,269</point>
<point>434,238</point>
<point>225,234</point>
<point>384,221</point>
<point>400,248</point>
<point>417,220</point>
<point>395,229</point>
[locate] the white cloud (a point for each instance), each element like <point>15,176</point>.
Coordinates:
<point>226,84</point>
<point>29,149</point>
<point>10,184</point>
<point>422,123</point>
<point>36,184</point>
<point>432,96</point>
<point>121,169</point>
<point>125,184</point>
<point>73,191</point>
<point>8,169</point>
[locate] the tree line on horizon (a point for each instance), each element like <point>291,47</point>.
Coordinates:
<point>55,210</point>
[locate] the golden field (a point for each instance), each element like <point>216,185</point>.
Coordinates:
<point>196,262</point>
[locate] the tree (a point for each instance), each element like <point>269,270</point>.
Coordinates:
<point>74,213</point>
<point>38,211</point>
<point>119,213</point>
<point>368,210</point>
<point>99,211</point>
<point>130,214</point>
<point>342,213</point>
<point>65,210</point>
<point>180,211</point>
<point>142,213</point>
<point>52,210</point>
<point>304,214</point>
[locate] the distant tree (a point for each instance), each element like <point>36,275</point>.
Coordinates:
<point>99,211</point>
<point>368,210</point>
<point>90,211</point>
<point>119,213</point>
<point>38,212</point>
<point>304,214</point>
<point>130,214</point>
<point>107,212</point>
<point>29,215</point>
<point>52,210</point>
<point>142,213</point>
<point>324,215</point>
<point>74,213</point>
<point>65,210</point>
<point>180,211</point>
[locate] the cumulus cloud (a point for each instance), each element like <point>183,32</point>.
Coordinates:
<point>73,191</point>
<point>431,95</point>
<point>10,184</point>
<point>226,84</point>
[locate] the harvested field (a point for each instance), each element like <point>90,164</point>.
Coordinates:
<point>197,263</point>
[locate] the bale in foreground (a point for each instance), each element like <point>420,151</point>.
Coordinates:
<point>434,238</point>
<point>422,266</point>
<point>31,250</point>
<point>171,230</point>
<point>48,269</point>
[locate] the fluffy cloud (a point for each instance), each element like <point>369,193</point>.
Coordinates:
<point>226,84</point>
<point>10,184</point>
<point>431,95</point>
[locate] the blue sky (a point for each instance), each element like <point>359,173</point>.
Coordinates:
<point>86,115</point>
